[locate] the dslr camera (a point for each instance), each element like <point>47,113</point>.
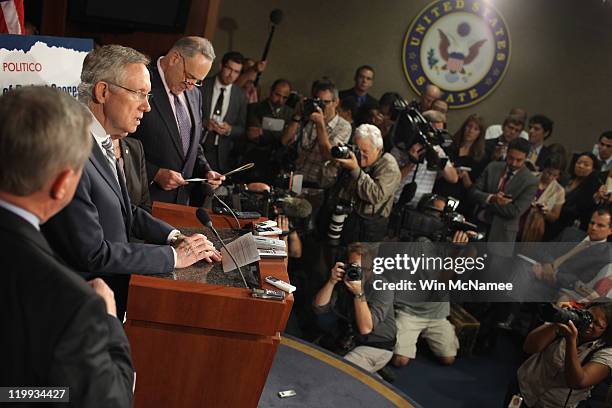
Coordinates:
<point>411,128</point>
<point>343,151</point>
<point>353,272</point>
<point>311,105</point>
<point>581,318</point>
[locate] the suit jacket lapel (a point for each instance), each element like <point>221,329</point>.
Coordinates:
<point>207,91</point>
<point>161,103</point>
<point>101,164</point>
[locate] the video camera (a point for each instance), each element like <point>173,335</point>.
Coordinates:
<point>438,226</point>
<point>581,318</point>
<point>411,128</point>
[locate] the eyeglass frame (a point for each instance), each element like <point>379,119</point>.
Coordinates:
<point>198,82</point>
<point>141,95</point>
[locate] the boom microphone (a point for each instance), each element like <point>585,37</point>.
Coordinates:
<point>294,207</point>
<point>276,16</point>
<point>204,218</point>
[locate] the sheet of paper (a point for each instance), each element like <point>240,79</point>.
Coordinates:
<point>273,124</point>
<point>244,250</point>
<point>199,180</point>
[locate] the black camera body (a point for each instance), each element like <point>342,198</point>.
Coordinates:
<point>353,272</point>
<point>581,318</point>
<point>411,128</point>
<point>343,151</point>
<point>311,105</point>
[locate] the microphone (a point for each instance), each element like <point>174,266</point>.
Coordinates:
<point>295,207</point>
<point>204,218</point>
<point>228,208</point>
<point>276,16</point>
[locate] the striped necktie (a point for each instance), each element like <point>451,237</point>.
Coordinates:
<point>107,144</point>
<point>184,123</point>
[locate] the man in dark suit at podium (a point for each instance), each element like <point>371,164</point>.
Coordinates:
<point>171,132</point>
<point>93,232</point>
<point>57,331</point>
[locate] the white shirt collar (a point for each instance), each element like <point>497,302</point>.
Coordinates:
<point>218,85</point>
<point>20,212</point>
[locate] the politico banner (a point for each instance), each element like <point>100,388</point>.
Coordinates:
<point>41,60</point>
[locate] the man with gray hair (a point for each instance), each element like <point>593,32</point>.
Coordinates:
<point>58,330</point>
<point>93,232</point>
<point>372,179</point>
<point>171,132</point>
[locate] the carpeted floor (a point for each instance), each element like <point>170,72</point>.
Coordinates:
<point>321,379</point>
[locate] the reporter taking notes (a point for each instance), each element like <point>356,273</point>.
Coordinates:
<point>92,233</point>
<point>57,331</point>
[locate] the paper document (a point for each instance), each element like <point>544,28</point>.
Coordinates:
<point>273,124</point>
<point>526,258</point>
<point>244,250</point>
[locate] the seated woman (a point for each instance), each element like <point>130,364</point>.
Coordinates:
<point>579,193</point>
<point>547,202</point>
<point>467,152</point>
<point>566,363</point>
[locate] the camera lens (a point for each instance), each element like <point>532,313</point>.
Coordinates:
<point>340,152</point>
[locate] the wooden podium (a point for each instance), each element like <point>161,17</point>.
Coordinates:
<point>202,345</point>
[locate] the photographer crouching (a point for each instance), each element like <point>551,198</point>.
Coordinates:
<point>365,329</point>
<point>373,179</point>
<point>570,355</point>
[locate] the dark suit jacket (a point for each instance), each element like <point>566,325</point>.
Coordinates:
<point>505,219</point>
<point>135,170</point>
<point>584,265</point>
<point>542,156</point>
<point>369,100</point>
<point>92,232</point>
<point>56,331</point>
<point>235,116</point>
<point>160,138</point>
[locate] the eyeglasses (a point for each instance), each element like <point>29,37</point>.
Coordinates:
<point>141,95</point>
<point>189,80</point>
<point>326,101</point>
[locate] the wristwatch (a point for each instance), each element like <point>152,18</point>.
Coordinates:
<point>360,296</point>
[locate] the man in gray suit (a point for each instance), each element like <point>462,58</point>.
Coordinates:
<point>224,113</point>
<point>171,132</point>
<point>504,192</point>
<point>92,233</point>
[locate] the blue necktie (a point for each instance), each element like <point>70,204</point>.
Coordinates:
<point>184,124</point>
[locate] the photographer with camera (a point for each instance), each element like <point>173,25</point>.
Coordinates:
<point>315,128</point>
<point>420,161</point>
<point>568,358</point>
<point>365,329</point>
<point>374,177</point>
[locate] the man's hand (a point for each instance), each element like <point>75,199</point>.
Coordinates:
<point>193,249</point>
<point>350,163</point>
<point>169,179</point>
<point>254,133</point>
<point>211,125</point>
<point>317,118</point>
<point>500,199</point>
<point>460,237</point>
<point>537,270</point>
<point>102,289</point>
<point>337,273</point>
<point>465,178</point>
<point>283,223</point>
<point>214,179</point>
<point>545,272</point>
<point>224,128</point>
<point>354,286</point>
